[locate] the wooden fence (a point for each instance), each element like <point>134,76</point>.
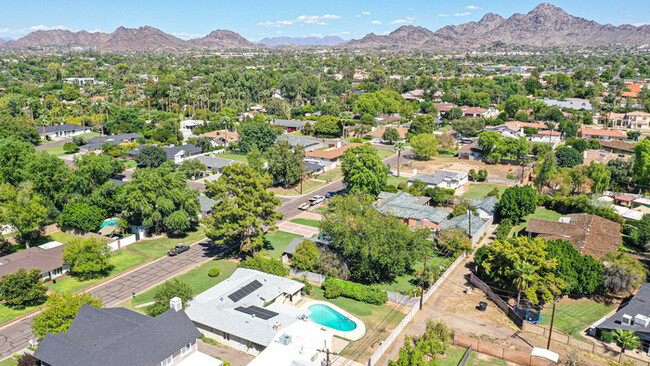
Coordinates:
<point>505,354</point>
<point>497,300</point>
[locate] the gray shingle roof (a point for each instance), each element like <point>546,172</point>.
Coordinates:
<point>62,128</point>
<point>406,206</point>
<point>639,304</point>
<point>216,163</point>
<point>298,140</point>
<point>115,337</point>
<point>487,203</point>
<point>291,248</point>
<point>439,177</point>
<point>311,166</point>
<point>186,149</point>
<point>462,221</point>
<point>93,143</point>
<point>206,203</point>
<point>289,123</point>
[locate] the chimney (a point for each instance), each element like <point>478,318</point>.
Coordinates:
<point>176,303</point>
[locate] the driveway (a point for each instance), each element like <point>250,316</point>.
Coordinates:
<point>16,336</point>
<point>304,230</point>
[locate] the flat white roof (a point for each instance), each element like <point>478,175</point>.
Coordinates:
<point>50,245</point>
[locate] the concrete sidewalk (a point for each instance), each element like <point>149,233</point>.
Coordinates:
<point>294,228</point>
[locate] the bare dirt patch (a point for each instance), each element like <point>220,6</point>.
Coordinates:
<point>437,163</point>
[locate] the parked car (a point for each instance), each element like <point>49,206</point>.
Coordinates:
<point>336,193</point>
<point>180,248</point>
<point>303,206</point>
<point>316,200</point>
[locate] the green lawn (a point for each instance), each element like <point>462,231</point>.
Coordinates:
<point>540,213</point>
<point>383,154</point>
<point>197,278</point>
<point>121,261</point>
<point>279,240</point>
<point>332,174</point>
<point>54,150</point>
<point>308,222</point>
<point>572,316</point>
<point>371,315</point>
<point>9,362</point>
<point>89,134</point>
<point>480,190</point>
<point>128,163</point>
<point>447,154</point>
<point>402,284</point>
<point>237,157</point>
<point>393,180</point>
<point>307,186</point>
<point>7,313</point>
<point>158,248</point>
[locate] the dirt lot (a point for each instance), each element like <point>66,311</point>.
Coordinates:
<point>437,163</point>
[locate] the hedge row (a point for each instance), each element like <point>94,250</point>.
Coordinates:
<point>333,288</point>
<point>268,265</point>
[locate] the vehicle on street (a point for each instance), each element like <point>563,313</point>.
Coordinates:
<point>316,200</point>
<point>305,205</point>
<point>180,248</point>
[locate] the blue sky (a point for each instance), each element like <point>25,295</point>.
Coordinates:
<point>255,19</point>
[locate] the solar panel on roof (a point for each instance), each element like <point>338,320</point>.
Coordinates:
<point>257,311</point>
<point>245,291</point>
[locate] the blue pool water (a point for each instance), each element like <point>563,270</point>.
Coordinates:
<point>324,315</point>
<point>111,222</point>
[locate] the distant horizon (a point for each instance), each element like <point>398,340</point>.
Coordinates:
<point>256,20</point>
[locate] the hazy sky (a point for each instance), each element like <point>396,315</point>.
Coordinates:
<point>255,19</point>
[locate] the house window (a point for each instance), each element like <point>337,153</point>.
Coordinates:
<point>186,349</point>
<point>57,272</point>
<point>418,223</point>
<point>168,361</point>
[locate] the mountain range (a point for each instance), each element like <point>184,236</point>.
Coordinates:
<point>544,26</point>
<point>301,41</point>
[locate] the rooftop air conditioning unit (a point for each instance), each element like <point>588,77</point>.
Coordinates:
<point>627,319</point>
<point>285,339</point>
<point>641,320</point>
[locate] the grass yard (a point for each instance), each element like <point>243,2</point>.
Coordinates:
<point>121,261</point>
<point>236,157</point>
<point>383,154</point>
<point>371,315</point>
<point>480,190</point>
<point>448,154</point>
<point>307,186</point>
<point>54,150</point>
<point>395,181</point>
<point>197,278</point>
<point>279,240</point>
<point>158,248</point>
<point>307,222</point>
<point>540,213</point>
<point>7,313</point>
<point>9,362</point>
<point>128,163</point>
<point>402,284</point>
<point>332,174</point>
<point>572,316</point>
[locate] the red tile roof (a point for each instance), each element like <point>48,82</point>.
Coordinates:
<point>595,132</point>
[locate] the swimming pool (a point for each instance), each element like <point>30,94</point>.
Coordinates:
<point>112,222</point>
<point>324,315</point>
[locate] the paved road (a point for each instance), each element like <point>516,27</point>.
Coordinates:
<point>16,336</point>
<point>290,204</point>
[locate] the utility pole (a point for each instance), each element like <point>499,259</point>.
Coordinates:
<point>548,345</point>
<point>424,274</point>
<point>469,214</point>
<point>327,353</point>
<point>302,168</point>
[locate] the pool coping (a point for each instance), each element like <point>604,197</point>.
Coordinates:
<point>353,335</point>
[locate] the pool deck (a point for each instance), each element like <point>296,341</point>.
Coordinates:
<point>352,335</point>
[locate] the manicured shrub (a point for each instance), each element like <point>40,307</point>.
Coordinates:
<point>267,265</point>
<point>214,272</point>
<point>308,289</point>
<point>607,337</point>
<point>333,288</point>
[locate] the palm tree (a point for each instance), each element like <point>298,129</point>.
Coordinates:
<point>399,147</point>
<point>626,338</point>
<point>524,272</point>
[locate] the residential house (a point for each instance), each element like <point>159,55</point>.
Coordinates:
<point>572,103</point>
<point>206,205</point>
<point>248,310</point>
<point>120,336</point>
<point>443,178</point>
<point>417,94</point>
<point>290,250</point>
<point>485,207</point>
<point>590,234</point>
<point>314,168</point>
<point>174,153</point>
<point>305,142</point>
<point>96,143</point>
<point>638,120</point>
<point>634,316</point>
<point>444,107</point>
<point>606,135</point>
<point>601,156</point>
<point>546,137</point>
<point>377,133</point>
<point>474,111</point>
<point>215,164</point>
<point>290,125</point>
<point>223,138</point>
<point>186,127</point>
<point>616,119</point>
<point>617,146</point>
<point>414,211</point>
<point>507,130</point>
<point>331,155</point>
<point>471,152</point>
<point>473,224</point>
<point>46,257</point>
<point>64,130</point>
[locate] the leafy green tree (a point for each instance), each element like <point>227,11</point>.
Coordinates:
<point>285,162</point>
<point>623,274</point>
<point>14,157</point>
<point>60,311</point>
<point>22,288</point>
<point>627,339</point>
<point>254,159</point>
<point>372,255</point>
<point>488,141</point>
<point>514,103</point>
<point>363,170</point>
<point>22,208</point>
<point>245,207</point>
<point>454,240</point>
<point>424,124</point>
<point>642,162</point>
<point>82,216</point>
<point>70,147</point>
<point>48,175</point>
<point>203,143</point>
<point>87,258</point>
<point>256,133</point>
<point>517,202</point>
<point>600,175</point>
<point>266,265</point>
<point>192,168</point>
<point>424,146</point>
<point>328,126</point>
<point>306,256</point>
<point>582,273</point>
<point>568,157</point>
<point>125,120</point>
<point>468,127</point>
<point>154,195</point>
<point>167,291</point>
<point>391,135</point>
<point>545,171</point>
<point>151,156</point>
<point>18,128</point>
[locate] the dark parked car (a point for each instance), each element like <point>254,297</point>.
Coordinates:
<point>178,249</point>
